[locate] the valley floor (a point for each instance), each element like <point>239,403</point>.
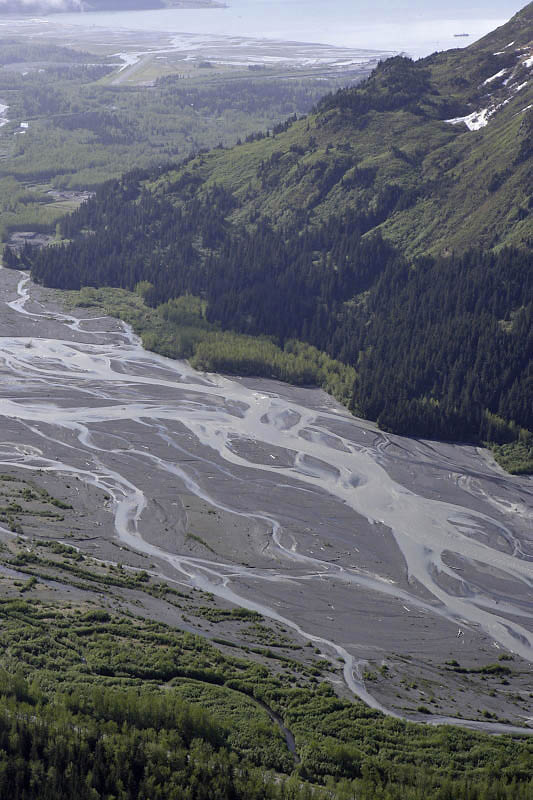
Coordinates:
<point>407,564</point>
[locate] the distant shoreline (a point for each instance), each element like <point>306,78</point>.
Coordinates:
<point>339,25</point>
<point>46,7</point>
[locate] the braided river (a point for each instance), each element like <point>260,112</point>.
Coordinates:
<point>365,543</point>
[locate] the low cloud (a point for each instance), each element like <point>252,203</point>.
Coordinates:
<point>39,6</point>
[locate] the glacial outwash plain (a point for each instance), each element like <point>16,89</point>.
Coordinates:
<point>404,561</point>
<point>266,419</point>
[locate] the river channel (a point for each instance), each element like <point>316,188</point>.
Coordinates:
<point>366,543</point>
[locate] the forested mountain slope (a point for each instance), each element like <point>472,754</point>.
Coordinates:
<point>392,228</point>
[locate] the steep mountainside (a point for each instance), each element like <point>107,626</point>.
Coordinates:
<point>389,145</point>
<point>392,228</point>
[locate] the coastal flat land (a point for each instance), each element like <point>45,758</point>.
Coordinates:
<point>79,106</point>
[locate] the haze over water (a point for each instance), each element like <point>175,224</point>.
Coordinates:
<point>413,26</point>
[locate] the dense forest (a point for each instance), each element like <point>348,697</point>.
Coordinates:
<point>323,231</point>
<point>101,705</point>
<point>441,346</point>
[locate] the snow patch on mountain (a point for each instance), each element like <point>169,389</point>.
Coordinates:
<point>3,120</point>
<point>479,119</point>
<point>502,93</point>
<point>499,74</point>
<point>473,121</point>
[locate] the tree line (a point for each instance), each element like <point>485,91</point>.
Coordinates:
<point>441,346</point>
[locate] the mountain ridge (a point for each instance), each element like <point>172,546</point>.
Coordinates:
<point>423,153</point>
<point>315,230</point>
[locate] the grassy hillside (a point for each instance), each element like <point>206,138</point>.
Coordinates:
<point>456,187</point>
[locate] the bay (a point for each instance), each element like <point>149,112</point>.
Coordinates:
<point>412,26</point>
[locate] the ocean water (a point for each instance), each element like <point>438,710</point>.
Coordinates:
<point>412,26</point>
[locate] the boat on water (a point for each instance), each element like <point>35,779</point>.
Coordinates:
<point>460,35</point>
